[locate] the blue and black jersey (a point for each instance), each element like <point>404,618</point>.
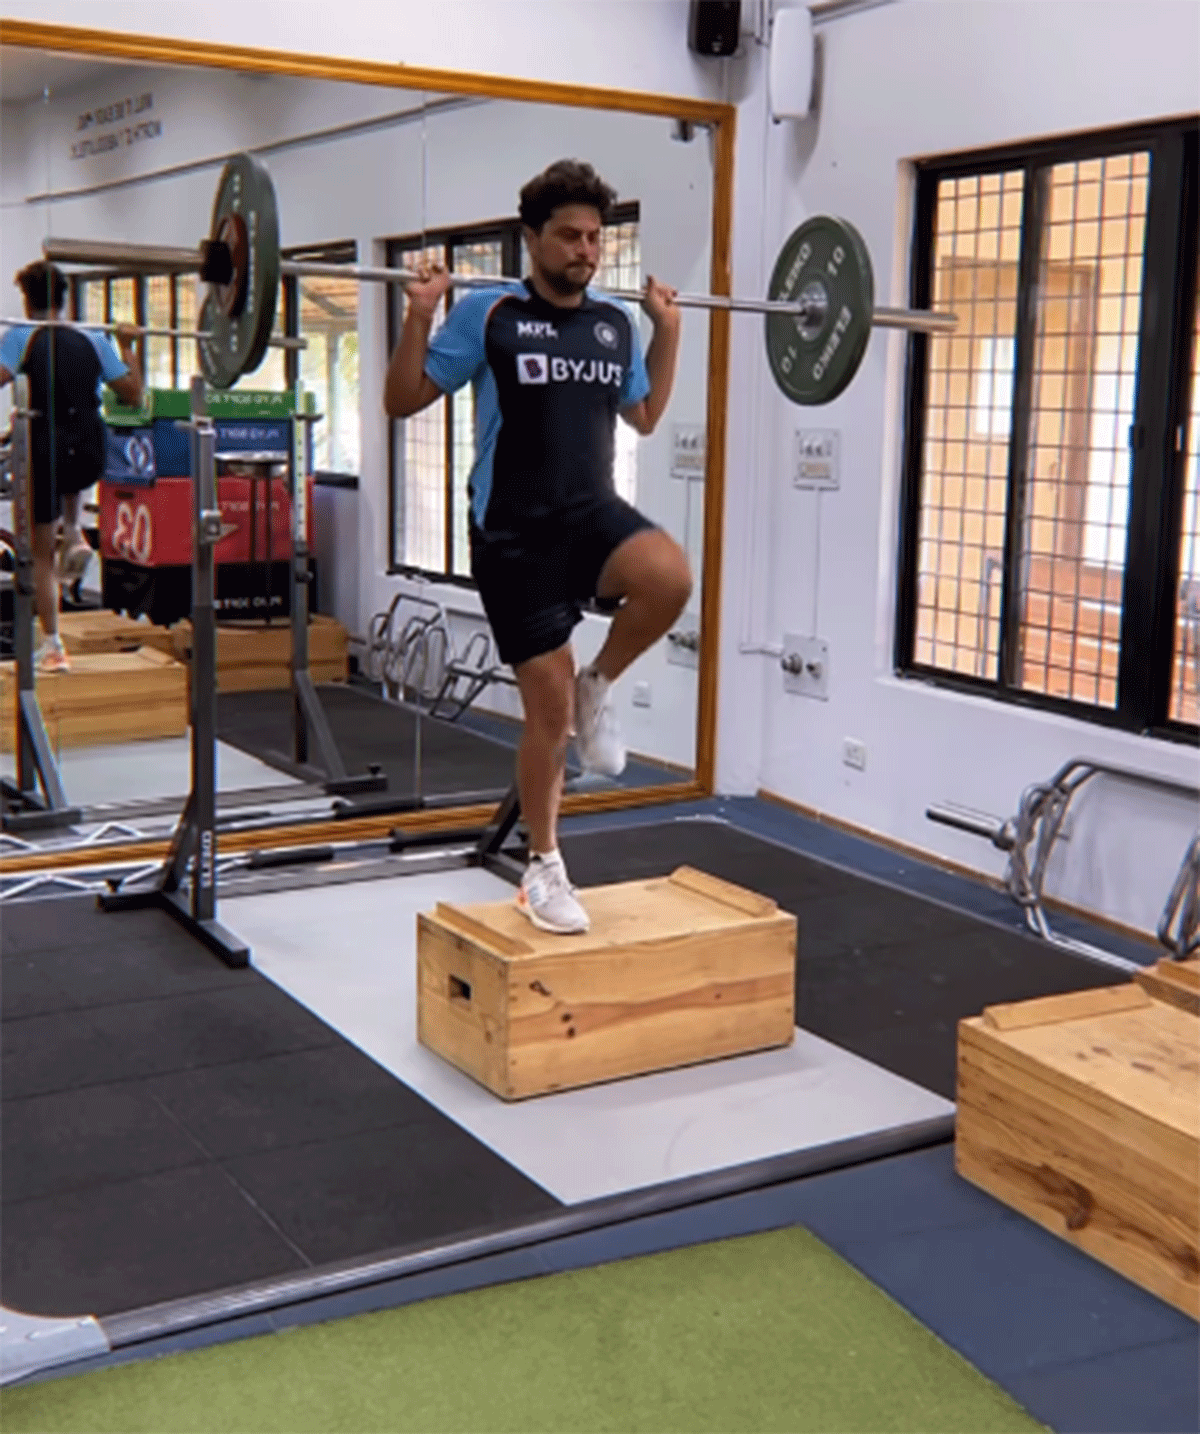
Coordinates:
<point>549,383</point>
<point>67,370</point>
<point>82,363</point>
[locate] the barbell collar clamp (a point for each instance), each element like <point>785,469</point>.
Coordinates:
<point>211,527</point>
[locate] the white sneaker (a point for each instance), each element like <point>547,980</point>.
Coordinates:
<point>597,732</point>
<point>547,897</point>
<point>51,657</point>
<point>73,562</point>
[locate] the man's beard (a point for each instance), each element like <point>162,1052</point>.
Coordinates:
<point>565,283</point>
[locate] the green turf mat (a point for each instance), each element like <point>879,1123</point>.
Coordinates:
<point>765,1332</point>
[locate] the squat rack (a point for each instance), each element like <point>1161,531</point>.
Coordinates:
<point>25,808</point>
<point>192,859</point>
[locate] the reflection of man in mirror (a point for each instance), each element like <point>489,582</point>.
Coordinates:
<point>66,368</point>
<point>553,363</point>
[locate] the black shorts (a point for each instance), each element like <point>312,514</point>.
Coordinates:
<point>535,581</point>
<point>77,461</point>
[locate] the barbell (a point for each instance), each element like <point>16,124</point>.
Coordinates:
<point>140,330</point>
<point>818,314</point>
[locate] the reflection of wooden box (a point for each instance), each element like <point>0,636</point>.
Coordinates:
<point>676,970</point>
<point>98,630</point>
<point>1083,1112</point>
<point>257,657</point>
<point>106,697</point>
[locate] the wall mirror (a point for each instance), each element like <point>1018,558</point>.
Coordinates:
<point>121,148</point>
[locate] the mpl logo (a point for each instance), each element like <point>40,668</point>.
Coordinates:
<point>533,368</point>
<point>535,329</point>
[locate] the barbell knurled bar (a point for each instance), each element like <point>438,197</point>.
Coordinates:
<point>922,319</point>
<point>140,330</point>
<point>818,314</point>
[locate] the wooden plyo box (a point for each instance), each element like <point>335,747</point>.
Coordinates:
<point>675,970</point>
<point>98,630</point>
<point>257,657</point>
<point>106,697</point>
<point>1083,1112</point>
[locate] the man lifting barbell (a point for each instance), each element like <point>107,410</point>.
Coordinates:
<point>553,364</point>
<point>66,368</point>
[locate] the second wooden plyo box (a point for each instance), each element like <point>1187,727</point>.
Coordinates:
<point>675,970</point>
<point>1083,1112</point>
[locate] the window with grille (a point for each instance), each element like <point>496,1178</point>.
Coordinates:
<point>1049,543</point>
<point>326,315</point>
<point>431,453</point>
<point>166,301</point>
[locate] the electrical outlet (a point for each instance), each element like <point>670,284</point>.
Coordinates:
<point>641,694</point>
<point>854,753</point>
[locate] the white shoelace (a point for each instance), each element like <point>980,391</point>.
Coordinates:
<point>550,876</point>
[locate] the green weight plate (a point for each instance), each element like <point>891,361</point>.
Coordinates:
<point>216,374</point>
<point>826,262</point>
<point>241,314</point>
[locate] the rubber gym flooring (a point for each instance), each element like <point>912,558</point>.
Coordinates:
<point>172,1127</point>
<point>167,1124</point>
<point>432,756</point>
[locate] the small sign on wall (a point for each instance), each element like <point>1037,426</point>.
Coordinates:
<point>115,125</point>
<point>687,451</point>
<point>817,458</point>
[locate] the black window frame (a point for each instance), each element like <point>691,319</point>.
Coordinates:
<point>291,359</point>
<point>1158,435</point>
<point>508,232</point>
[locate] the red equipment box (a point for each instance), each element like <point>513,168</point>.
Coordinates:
<point>151,526</point>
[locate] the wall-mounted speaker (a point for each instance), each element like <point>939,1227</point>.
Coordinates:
<point>714,26</point>
<point>790,67</point>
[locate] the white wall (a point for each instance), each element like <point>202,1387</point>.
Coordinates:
<point>897,82</point>
<point>617,44</point>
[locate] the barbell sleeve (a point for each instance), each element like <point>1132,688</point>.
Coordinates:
<point>925,321</point>
<point>154,258</point>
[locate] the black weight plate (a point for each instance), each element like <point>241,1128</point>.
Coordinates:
<point>240,316</point>
<point>812,362</point>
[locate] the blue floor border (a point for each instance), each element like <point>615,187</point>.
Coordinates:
<point>1081,1348</point>
<point>864,857</point>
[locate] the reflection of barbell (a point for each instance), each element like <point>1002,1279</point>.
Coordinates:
<point>140,331</point>
<point>685,641</point>
<point>819,312</point>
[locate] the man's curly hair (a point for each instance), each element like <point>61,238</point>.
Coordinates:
<point>566,181</point>
<point>44,285</point>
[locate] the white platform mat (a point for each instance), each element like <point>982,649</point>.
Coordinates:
<point>348,953</point>
<point>148,771</point>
